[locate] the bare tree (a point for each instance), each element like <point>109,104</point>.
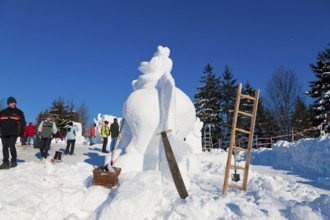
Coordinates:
<point>282,93</point>
<point>83,113</point>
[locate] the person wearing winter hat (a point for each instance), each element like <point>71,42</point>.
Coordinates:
<point>114,130</point>
<point>70,138</point>
<point>12,123</point>
<point>105,132</point>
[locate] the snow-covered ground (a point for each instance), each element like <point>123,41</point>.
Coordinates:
<point>290,181</point>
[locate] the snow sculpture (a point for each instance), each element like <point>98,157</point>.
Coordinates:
<point>79,138</point>
<point>156,105</point>
<point>194,137</point>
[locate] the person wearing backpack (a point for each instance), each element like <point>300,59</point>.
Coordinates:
<point>70,138</point>
<point>105,132</point>
<point>46,129</point>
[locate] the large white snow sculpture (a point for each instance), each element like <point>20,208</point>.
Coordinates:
<point>156,105</point>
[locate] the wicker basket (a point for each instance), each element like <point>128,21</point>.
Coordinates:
<point>105,178</point>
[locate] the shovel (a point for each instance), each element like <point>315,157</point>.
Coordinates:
<point>235,177</point>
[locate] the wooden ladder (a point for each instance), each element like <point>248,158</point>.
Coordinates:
<point>233,147</point>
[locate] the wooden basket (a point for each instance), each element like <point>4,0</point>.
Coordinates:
<point>105,178</point>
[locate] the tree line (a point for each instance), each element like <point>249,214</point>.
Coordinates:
<point>282,110</point>
<point>65,111</point>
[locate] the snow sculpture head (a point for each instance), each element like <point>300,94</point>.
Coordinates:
<point>156,105</point>
<point>151,71</point>
<point>160,63</point>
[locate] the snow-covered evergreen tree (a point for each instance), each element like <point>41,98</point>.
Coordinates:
<point>228,90</point>
<point>320,88</point>
<point>246,105</point>
<point>207,101</point>
<point>62,114</point>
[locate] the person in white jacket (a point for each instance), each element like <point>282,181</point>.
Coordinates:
<point>70,138</point>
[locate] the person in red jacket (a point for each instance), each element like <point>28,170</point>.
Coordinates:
<point>31,132</point>
<point>92,134</point>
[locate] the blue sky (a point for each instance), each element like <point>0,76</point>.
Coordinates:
<point>89,51</point>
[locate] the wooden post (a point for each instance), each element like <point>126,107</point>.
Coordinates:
<point>248,154</point>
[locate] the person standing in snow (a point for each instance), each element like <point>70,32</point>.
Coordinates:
<point>30,132</point>
<point>70,138</point>
<point>24,137</point>
<point>46,129</point>
<point>114,130</point>
<point>12,123</point>
<point>92,134</point>
<point>105,132</point>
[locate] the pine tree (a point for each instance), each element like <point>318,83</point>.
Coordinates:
<point>266,126</point>
<point>83,117</point>
<point>207,101</point>
<point>228,95</point>
<point>246,105</point>
<point>301,119</point>
<point>320,88</point>
<point>62,114</point>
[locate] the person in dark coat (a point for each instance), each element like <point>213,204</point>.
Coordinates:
<point>12,123</point>
<point>114,130</point>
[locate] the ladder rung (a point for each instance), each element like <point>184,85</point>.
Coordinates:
<point>245,113</point>
<point>234,186</point>
<point>237,167</point>
<point>243,131</point>
<point>248,97</point>
<point>241,149</point>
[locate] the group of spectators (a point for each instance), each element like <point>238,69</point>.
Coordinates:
<point>13,125</point>
<point>106,131</point>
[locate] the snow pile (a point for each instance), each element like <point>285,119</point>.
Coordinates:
<point>305,155</point>
<point>34,190</point>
